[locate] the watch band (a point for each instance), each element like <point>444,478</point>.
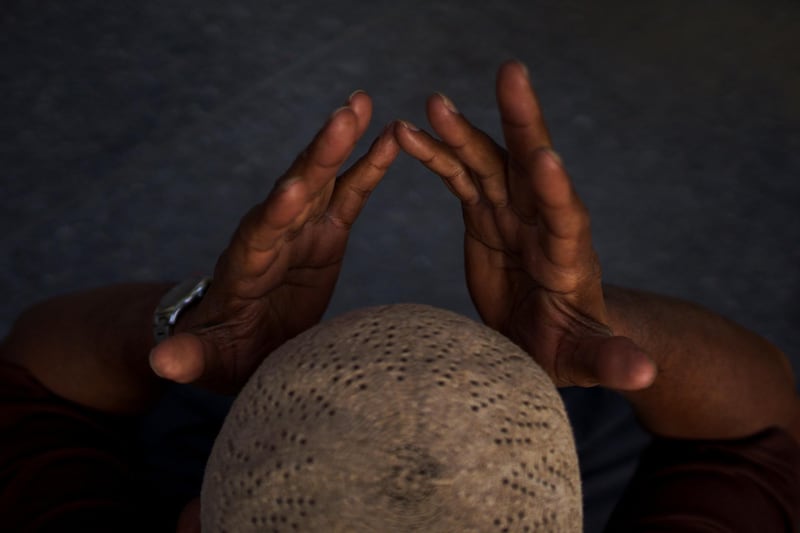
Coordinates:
<point>174,302</point>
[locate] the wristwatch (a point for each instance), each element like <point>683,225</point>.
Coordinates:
<point>174,303</point>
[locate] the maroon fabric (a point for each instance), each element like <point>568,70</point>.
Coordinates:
<point>62,467</point>
<point>741,486</point>
<point>66,468</point>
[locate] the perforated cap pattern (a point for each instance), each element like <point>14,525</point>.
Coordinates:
<point>395,418</point>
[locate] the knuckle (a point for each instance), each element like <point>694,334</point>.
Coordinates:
<point>455,173</point>
<point>361,192</point>
<point>339,222</point>
<point>376,166</point>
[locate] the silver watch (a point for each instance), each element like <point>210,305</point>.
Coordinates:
<point>174,303</point>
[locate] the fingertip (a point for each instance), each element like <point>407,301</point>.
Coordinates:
<point>407,125</point>
<point>179,359</point>
<point>342,119</point>
<point>385,146</point>
<point>440,108</point>
<point>412,140</point>
<point>329,149</point>
<point>161,362</point>
<point>361,104</point>
<point>524,68</point>
<point>644,372</point>
<point>432,100</point>
<point>513,66</point>
<point>405,134</point>
<point>513,73</point>
<point>337,112</point>
<point>388,138</point>
<point>356,95</point>
<point>447,103</point>
<point>627,367</point>
<point>337,135</point>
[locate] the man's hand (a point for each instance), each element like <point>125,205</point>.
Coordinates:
<point>277,276</point>
<point>531,269</point>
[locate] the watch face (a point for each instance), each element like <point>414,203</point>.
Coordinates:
<point>175,301</point>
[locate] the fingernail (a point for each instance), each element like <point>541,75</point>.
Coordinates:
<point>554,155</point>
<point>352,94</point>
<point>408,125</point>
<point>387,128</point>
<point>524,69</point>
<point>448,103</point>
<point>339,110</point>
<point>288,182</point>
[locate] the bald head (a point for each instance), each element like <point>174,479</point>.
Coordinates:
<point>395,418</point>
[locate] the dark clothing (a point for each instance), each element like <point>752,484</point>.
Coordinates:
<point>67,468</point>
<point>750,484</point>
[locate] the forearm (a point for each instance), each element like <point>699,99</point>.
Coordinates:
<point>92,347</point>
<point>715,378</point>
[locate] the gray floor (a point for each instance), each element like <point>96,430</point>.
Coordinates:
<point>134,136</point>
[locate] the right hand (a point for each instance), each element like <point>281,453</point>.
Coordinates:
<point>531,269</point>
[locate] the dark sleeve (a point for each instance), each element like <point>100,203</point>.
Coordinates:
<point>63,467</point>
<point>741,486</point>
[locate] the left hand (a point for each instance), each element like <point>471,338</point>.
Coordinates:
<point>276,277</point>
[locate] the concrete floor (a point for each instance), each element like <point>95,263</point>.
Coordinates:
<point>134,136</point>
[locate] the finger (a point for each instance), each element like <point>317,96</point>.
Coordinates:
<point>565,237</point>
<point>612,362</point>
<point>184,358</point>
<point>475,148</point>
<point>357,183</point>
<point>524,128</point>
<point>292,201</point>
<point>361,104</point>
<point>440,159</point>
<point>319,163</point>
<point>266,223</point>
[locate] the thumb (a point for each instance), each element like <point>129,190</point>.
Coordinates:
<point>185,358</point>
<point>611,362</point>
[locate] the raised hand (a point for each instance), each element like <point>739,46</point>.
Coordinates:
<point>277,276</point>
<point>531,269</point>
